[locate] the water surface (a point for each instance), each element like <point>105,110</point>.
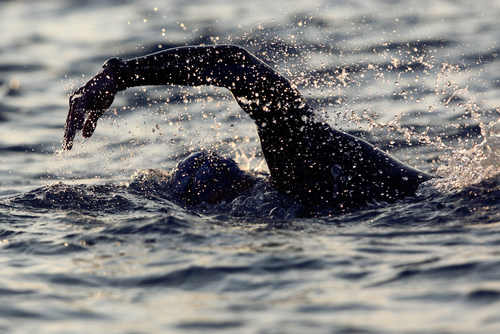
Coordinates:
<point>82,251</point>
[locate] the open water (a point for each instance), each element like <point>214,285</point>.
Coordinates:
<point>88,244</point>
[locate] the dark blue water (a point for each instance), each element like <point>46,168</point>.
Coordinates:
<point>91,243</point>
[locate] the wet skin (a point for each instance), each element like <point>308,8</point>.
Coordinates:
<point>307,158</point>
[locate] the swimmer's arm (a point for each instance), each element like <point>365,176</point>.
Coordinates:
<point>228,66</point>
<point>259,89</point>
<point>232,67</point>
<point>192,66</point>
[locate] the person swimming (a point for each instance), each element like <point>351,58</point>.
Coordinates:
<point>308,160</point>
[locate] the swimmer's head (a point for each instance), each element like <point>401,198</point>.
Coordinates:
<point>203,177</point>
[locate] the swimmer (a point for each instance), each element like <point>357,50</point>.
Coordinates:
<point>308,159</point>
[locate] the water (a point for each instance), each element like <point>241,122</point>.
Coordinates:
<point>83,251</point>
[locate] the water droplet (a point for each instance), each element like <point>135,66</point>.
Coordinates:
<point>336,170</point>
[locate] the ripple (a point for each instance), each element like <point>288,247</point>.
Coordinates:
<point>163,226</point>
<point>484,296</point>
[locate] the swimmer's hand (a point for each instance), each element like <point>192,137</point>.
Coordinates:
<point>87,104</point>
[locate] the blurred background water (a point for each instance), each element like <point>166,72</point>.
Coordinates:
<point>80,252</point>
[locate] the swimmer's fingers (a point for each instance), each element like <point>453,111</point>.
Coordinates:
<point>76,116</point>
<point>91,122</point>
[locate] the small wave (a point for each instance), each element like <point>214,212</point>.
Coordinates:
<point>210,325</point>
<point>164,226</point>
<point>75,197</point>
<point>109,198</point>
<point>42,247</point>
<point>434,205</point>
<point>484,296</point>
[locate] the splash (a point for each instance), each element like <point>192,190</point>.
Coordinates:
<point>470,166</point>
<point>250,161</point>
